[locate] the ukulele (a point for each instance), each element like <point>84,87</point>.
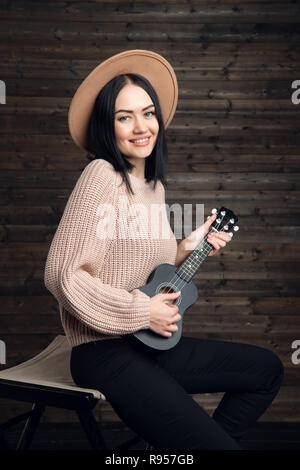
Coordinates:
<point>167,278</point>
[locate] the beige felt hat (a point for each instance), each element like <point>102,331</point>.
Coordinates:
<point>150,65</point>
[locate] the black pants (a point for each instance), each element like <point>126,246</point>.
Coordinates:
<point>150,389</point>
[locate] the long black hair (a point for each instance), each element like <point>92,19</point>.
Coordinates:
<point>101,132</point>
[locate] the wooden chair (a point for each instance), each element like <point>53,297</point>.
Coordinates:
<point>45,380</point>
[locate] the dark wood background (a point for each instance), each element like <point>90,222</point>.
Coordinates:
<point>234,141</point>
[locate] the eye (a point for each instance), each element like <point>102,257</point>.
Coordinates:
<point>150,112</point>
<point>147,114</point>
<point>123,118</point>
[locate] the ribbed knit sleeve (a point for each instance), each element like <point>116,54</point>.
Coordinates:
<point>78,252</point>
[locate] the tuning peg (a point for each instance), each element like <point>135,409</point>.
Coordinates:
<point>213,211</point>
<point>223,213</point>
<point>231,234</point>
<point>225,227</point>
<point>236,228</point>
<point>231,221</point>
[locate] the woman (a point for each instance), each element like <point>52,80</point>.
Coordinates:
<point>103,250</point>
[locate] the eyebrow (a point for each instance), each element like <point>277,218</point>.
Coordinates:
<point>128,111</point>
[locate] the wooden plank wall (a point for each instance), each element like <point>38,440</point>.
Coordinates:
<point>234,141</point>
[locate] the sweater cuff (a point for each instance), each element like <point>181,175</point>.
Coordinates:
<point>142,309</point>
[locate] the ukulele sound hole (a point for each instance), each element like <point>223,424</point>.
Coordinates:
<point>167,290</point>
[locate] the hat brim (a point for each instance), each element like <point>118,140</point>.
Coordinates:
<point>149,64</point>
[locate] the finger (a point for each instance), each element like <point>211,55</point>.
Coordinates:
<point>212,238</point>
<point>223,236</point>
<point>174,309</point>
<point>193,239</point>
<point>217,244</point>
<point>219,236</point>
<point>174,319</point>
<point>165,333</point>
<point>209,221</point>
<point>172,295</point>
<point>172,327</point>
<point>212,252</point>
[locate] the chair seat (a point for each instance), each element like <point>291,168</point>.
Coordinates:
<point>51,368</point>
<point>46,380</point>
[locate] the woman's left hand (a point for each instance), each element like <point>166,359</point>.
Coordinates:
<point>216,239</point>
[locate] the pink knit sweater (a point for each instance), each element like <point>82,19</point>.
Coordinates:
<point>93,267</point>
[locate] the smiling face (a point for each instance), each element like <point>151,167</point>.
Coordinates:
<point>136,124</point>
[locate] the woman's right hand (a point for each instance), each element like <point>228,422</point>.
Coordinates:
<point>163,316</point>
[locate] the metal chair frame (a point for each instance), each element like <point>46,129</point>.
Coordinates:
<point>41,396</point>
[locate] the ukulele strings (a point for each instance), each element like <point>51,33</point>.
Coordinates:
<point>206,251</point>
<point>181,282</point>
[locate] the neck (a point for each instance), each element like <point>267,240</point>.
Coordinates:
<point>139,167</point>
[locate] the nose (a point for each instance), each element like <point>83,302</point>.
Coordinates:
<point>139,125</point>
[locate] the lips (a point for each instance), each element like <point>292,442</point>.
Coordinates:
<point>141,141</point>
<point>140,138</point>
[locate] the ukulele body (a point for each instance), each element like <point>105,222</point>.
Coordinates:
<point>164,280</point>
<point>168,278</point>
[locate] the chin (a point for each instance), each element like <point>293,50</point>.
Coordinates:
<point>140,154</point>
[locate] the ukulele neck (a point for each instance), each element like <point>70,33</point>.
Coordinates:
<point>190,266</point>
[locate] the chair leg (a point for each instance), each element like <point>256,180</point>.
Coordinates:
<point>30,426</point>
<point>91,429</point>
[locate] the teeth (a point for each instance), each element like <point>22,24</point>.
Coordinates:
<point>141,140</point>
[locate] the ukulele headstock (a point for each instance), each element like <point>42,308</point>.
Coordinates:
<point>225,220</point>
